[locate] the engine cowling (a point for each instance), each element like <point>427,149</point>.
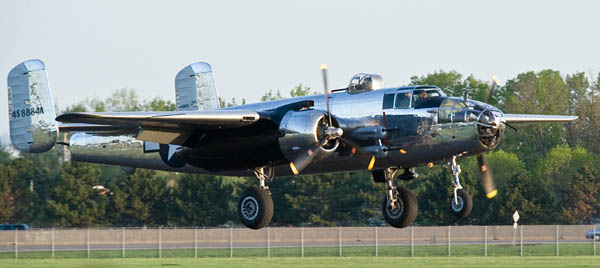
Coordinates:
<point>303,130</point>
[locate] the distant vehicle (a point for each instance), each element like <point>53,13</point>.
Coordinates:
<point>16,226</point>
<point>593,234</point>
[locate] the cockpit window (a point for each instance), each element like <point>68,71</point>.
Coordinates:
<point>420,96</point>
<point>388,101</point>
<point>402,100</point>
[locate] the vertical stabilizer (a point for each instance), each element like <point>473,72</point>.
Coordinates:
<point>195,88</point>
<point>31,111</point>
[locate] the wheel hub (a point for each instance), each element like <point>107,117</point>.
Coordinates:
<point>457,207</point>
<point>395,211</point>
<point>249,208</point>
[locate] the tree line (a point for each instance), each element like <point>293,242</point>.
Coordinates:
<point>550,173</point>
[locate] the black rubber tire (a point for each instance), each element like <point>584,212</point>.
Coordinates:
<point>378,175</point>
<point>410,208</point>
<point>255,198</point>
<point>467,204</point>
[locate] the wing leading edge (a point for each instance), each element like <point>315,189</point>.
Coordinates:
<point>161,127</point>
<point>537,118</point>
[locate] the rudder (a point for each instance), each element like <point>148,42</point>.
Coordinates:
<point>195,88</point>
<point>31,110</point>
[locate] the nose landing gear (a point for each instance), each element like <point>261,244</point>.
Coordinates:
<point>461,203</point>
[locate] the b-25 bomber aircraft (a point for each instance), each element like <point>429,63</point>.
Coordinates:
<point>364,126</point>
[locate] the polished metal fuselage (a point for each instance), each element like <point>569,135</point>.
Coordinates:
<point>413,137</point>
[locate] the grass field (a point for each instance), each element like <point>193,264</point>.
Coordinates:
<point>345,262</point>
<point>538,250</point>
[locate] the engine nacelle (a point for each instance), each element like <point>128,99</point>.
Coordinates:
<point>365,82</point>
<point>304,130</point>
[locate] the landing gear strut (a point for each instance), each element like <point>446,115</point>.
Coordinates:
<point>461,203</point>
<point>255,207</point>
<point>400,206</point>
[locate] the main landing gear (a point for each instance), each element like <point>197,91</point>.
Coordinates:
<point>400,206</point>
<point>462,203</point>
<point>255,207</point>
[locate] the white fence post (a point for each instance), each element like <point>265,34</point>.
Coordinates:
<point>449,252</point>
<point>485,241</point>
<point>340,240</point>
<point>123,242</point>
<point>16,245</point>
<point>268,242</point>
<point>196,242</point>
<point>52,237</point>
<point>302,242</point>
<point>412,241</point>
<point>159,242</point>
<point>376,243</point>
<point>594,238</point>
<point>521,240</point>
<point>557,250</point>
<point>231,242</point>
<point>88,242</point>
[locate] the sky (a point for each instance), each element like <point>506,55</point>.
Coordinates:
<point>92,48</point>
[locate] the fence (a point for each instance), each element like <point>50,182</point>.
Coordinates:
<point>530,240</point>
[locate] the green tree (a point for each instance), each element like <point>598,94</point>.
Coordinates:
<point>585,103</point>
<point>326,200</point>
<point>572,176</point>
<point>203,200</point>
<point>300,90</point>
<point>74,202</point>
<point>140,199</point>
<point>5,156</point>
<point>453,84</point>
<point>158,104</point>
<point>544,92</point>
<point>268,96</point>
<point>123,100</point>
<point>223,103</point>
<point>7,200</point>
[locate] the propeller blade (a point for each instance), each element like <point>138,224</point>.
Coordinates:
<point>487,180</point>
<point>371,163</point>
<point>304,159</point>
<point>358,151</point>
<point>326,93</point>
<point>495,84</point>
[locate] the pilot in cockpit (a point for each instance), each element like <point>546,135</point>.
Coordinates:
<point>419,97</point>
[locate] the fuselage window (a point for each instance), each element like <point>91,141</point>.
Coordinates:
<point>402,100</point>
<point>388,101</point>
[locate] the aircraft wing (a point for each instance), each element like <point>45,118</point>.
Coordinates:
<point>537,118</point>
<point>162,127</point>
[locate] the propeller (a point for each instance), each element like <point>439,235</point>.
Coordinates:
<point>495,84</point>
<point>326,91</point>
<point>330,132</point>
<point>487,180</point>
<point>304,159</point>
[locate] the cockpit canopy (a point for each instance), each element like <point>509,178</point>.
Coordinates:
<point>365,82</point>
